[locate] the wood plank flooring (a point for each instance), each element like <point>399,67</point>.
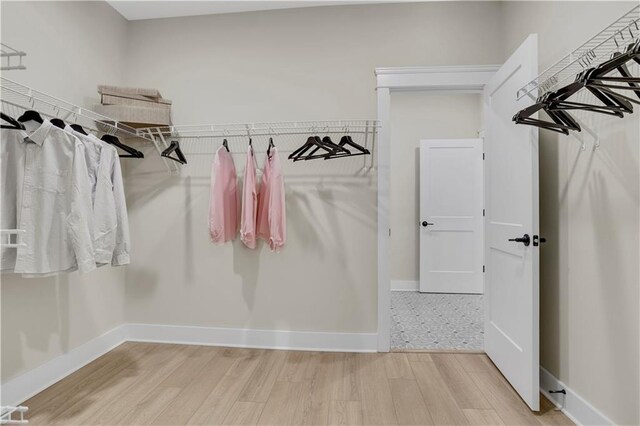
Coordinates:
<point>158,384</point>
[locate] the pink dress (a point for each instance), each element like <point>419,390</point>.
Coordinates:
<point>223,208</point>
<point>271,223</point>
<point>249,202</point>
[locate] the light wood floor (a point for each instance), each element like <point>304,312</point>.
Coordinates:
<point>143,383</point>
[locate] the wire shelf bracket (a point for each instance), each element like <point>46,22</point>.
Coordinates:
<point>8,54</point>
<point>7,415</point>
<point>12,238</point>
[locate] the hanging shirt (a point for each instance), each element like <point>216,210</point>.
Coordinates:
<point>223,207</point>
<point>249,202</point>
<point>120,255</point>
<point>271,222</point>
<point>99,159</point>
<point>46,191</point>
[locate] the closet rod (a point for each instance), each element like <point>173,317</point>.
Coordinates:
<point>265,129</point>
<point>591,53</point>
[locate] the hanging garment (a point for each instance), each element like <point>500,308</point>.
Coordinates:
<point>45,191</point>
<point>249,202</point>
<point>121,250</point>
<point>99,157</point>
<point>223,208</point>
<point>271,222</point>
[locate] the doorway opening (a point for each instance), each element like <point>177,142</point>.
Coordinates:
<point>436,178</point>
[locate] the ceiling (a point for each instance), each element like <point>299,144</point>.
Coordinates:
<point>149,9</point>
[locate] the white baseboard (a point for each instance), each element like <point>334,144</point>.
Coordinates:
<point>573,405</point>
<point>251,338</point>
<point>23,387</point>
<point>397,285</point>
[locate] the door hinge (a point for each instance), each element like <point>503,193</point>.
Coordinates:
<point>389,231</point>
<point>483,155</point>
<point>483,212</point>
<point>483,268</point>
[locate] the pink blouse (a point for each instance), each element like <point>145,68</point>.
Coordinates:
<point>223,208</point>
<point>249,202</point>
<point>271,223</point>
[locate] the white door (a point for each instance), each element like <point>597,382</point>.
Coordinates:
<point>451,222</point>
<point>511,336</point>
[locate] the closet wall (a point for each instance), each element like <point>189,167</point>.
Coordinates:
<point>589,206</point>
<point>71,47</point>
<point>312,63</point>
<point>416,116</point>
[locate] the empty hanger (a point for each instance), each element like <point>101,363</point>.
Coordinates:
<point>174,147</point>
<point>131,152</point>
<point>346,140</point>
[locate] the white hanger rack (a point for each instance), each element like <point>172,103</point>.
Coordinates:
<point>8,53</point>
<point>7,415</point>
<point>22,97</point>
<point>240,132</point>
<point>594,51</point>
<point>616,37</point>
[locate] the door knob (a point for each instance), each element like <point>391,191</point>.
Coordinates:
<point>537,240</point>
<point>525,239</point>
<point>425,224</point>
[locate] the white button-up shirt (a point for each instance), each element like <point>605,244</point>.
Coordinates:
<point>99,157</point>
<point>46,191</point>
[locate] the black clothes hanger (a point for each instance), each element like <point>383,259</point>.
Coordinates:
<point>78,128</point>
<point>562,121</point>
<point>346,140</point>
<point>31,115</point>
<point>174,147</point>
<point>226,144</point>
<point>313,142</point>
<point>131,152</point>
<point>558,100</point>
<point>329,145</point>
<point>271,144</point>
<point>58,123</point>
<point>13,123</point>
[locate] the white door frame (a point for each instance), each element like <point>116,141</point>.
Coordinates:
<point>448,79</point>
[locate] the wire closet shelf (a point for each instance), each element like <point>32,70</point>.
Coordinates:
<point>596,50</point>
<point>238,134</point>
<point>8,54</point>
<point>16,97</point>
<point>13,415</point>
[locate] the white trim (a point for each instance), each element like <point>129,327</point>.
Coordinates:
<point>397,285</point>
<point>466,78</point>
<point>579,411</point>
<point>448,78</point>
<point>23,387</point>
<point>250,338</point>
